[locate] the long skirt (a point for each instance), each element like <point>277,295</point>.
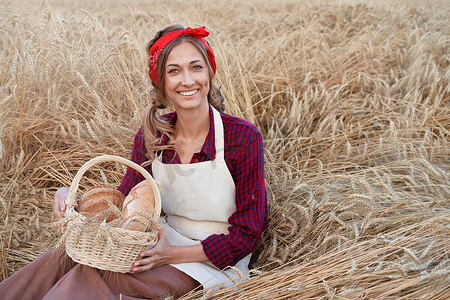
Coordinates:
<point>54,275</point>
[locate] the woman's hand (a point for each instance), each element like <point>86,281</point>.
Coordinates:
<point>59,204</point>
<point>160,254</point>
<point>164,253</point>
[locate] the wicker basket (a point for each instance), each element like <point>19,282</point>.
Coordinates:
<point>104,245</point>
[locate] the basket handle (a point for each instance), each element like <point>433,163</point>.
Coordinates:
<point>71,196</point>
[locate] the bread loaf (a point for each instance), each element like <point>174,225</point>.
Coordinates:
<point>101,202</point>
<point>138,207</point>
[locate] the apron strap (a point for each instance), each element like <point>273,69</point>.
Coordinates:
<point>218,135</point>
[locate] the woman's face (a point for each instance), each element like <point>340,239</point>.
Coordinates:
<point>186,77</point>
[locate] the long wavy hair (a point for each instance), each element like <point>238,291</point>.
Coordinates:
<point>153,126</point>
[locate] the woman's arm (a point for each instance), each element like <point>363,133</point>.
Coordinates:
<point>133,177</point>
<point>250,218</point>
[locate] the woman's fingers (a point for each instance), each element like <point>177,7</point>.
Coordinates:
<point>59,204</point>
<point>57,208</point>
<point>145,263</point>
<point>157,256</point>
<point>149,259</point>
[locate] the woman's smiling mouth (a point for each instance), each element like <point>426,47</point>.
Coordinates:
<point>190,93</point>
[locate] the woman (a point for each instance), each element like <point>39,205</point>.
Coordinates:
<point>210,166</point>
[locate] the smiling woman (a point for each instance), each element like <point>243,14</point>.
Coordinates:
<point>187,78</point>
<point>210,167</point>
<point>177,54</point>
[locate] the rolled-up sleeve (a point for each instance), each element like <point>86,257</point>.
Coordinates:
<point>133,177</point>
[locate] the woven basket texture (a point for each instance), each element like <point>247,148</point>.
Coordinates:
<point>105,245</point>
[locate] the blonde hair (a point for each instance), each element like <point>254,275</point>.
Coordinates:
<point>152,124</point>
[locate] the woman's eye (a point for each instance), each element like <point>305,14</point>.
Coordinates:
<point>198,67</point>
<point>172,71</point>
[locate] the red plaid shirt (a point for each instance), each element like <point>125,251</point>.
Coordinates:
<point>244,156</point>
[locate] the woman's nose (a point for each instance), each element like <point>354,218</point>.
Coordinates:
<point>187,78</point>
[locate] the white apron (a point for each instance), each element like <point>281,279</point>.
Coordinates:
<point>198,199</point>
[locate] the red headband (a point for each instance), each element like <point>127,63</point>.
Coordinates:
<point>199,33</point>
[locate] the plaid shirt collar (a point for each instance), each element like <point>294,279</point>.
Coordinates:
<point>208,147</point>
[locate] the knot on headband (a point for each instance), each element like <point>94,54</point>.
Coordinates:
<point>199,33</point>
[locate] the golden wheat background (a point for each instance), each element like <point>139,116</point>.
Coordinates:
<point>352,98</point>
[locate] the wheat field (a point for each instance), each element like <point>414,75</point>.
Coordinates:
<point>352,98</point>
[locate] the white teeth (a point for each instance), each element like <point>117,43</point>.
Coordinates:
<point>188,93</point>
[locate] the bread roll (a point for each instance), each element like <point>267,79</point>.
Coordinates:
<point>101,202</point>
<point>138,207</point>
